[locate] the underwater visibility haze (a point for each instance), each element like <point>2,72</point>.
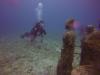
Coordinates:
<point>17,16</point>
<point>20,57</point>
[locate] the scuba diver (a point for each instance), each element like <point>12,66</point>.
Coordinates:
<point>37,31</point>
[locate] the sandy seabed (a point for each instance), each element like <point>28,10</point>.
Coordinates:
<point>19,57</point>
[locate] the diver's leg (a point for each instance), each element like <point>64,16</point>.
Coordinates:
<point>41,39</point>
<point>23,36</point>
<point>32,38</point>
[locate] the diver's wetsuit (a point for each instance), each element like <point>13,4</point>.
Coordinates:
<point>37,30</point>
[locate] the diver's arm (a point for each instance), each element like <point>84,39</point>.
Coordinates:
<point>34,28</point>
<point>44,31</point>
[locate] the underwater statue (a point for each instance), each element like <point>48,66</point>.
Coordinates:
<point>86,70</point>
<point>85,56</point>
<point>64,66</point>
<point>90,54</point>
<point>37,31</point>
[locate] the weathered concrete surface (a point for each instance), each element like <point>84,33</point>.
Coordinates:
<point>67,54</point>
<point>90,58</point>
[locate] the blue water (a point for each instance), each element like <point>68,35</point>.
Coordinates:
<point>19,16</point>
<point>19,56</point>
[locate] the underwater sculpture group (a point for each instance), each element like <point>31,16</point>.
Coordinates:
<point>90,48</point>
<point>90,52</point>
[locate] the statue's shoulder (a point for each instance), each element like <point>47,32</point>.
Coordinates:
<point>66,34</point>
<point>94,40</point>
<point>69,34</point>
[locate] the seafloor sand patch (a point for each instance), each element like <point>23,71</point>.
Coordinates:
<point>18,57</point>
